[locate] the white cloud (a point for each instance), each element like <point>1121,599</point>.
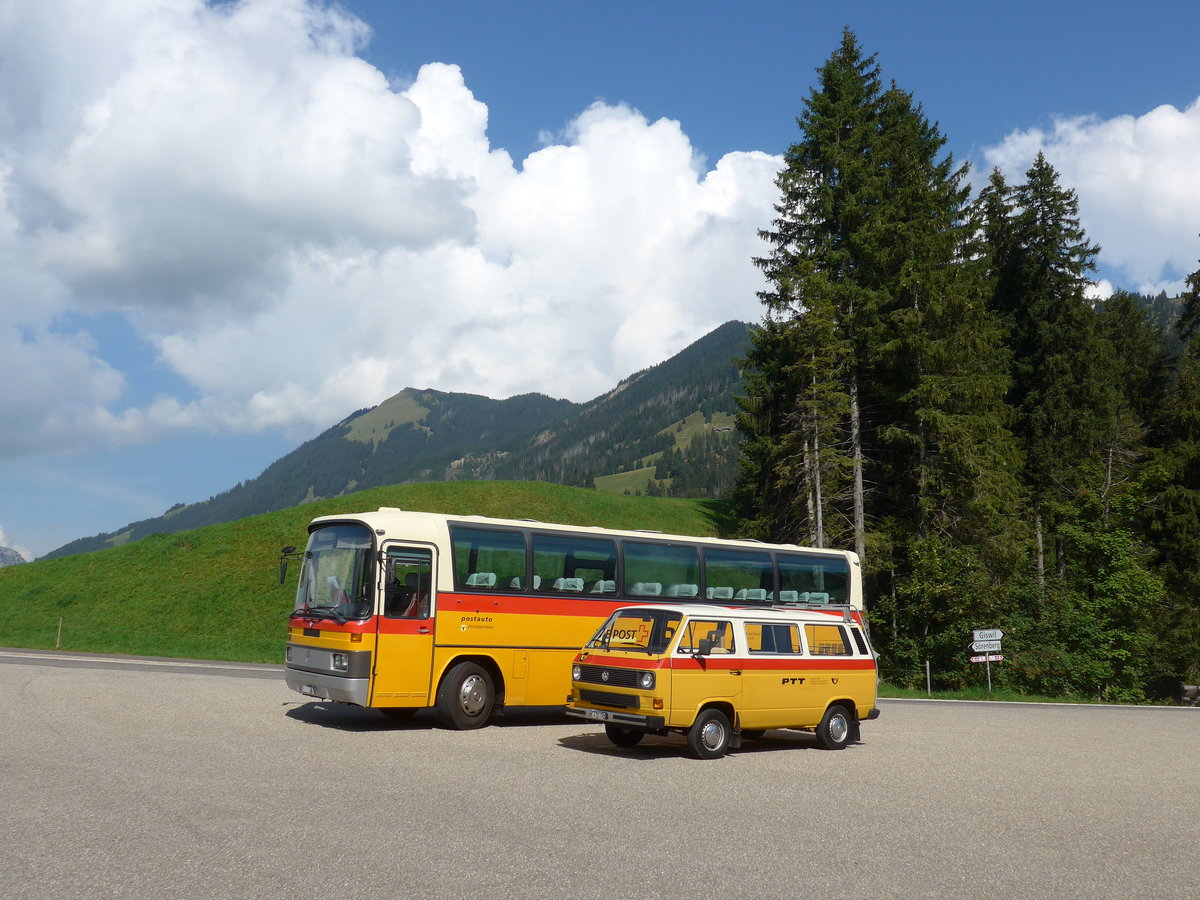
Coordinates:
<point>298,238</point>
<point>1138,183</point>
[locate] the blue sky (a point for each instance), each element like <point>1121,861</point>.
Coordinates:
<point>225,227</point>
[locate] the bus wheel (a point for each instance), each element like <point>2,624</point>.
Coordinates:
<point>624,737</point>
<point>465,697</point>
<point>708,737</point>
<point>835,729</point>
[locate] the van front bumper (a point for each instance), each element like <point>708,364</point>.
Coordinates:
<point>609,717</point>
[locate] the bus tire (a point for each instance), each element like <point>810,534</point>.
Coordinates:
<point>624,737</point>
<point>836,728</point>
<point>708,738</point>
<point>465,697</point>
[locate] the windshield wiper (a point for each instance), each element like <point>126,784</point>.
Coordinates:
<point>320,612</point>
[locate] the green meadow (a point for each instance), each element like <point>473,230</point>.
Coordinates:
<point>214,593</point>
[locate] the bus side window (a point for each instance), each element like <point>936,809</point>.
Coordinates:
<point>488,559</point>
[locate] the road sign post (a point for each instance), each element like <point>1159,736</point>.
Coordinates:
<point>987,642</point>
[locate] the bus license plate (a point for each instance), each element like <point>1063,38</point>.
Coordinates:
<point>598,714</point>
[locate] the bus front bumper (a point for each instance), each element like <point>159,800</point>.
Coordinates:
<point>320,686</point>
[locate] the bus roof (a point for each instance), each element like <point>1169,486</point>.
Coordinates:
<point>395,523</point>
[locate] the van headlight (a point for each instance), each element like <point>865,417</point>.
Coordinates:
<point>646,681</point>
<point>341,662</point>
<point>576,672</point>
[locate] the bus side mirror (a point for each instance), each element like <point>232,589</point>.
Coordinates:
<point>284,555</point>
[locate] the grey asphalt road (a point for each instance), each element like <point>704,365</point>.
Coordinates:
<point>154,779</point>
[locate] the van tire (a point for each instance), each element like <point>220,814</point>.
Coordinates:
<point>708,738</point>
<point>465,697</point>
<point>624,737</point>
<point>836,728</point>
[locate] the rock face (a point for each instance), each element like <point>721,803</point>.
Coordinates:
<point>10,557</point>
<point>1191,695</point>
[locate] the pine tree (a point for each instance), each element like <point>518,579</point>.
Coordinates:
<point>1063,385</point>
<point>818,310</point>
<point>1175,516</point>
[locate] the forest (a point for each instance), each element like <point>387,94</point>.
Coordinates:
<point>934,385</point>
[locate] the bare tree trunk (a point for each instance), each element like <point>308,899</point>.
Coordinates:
<point>817,490</point>
<point>860,530</point>
<point>1041,550</point>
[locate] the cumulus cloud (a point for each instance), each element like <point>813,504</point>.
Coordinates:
<point>296,237</point>
<point>1138,183</point>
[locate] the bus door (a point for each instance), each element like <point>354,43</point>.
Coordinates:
<point>404,642</point>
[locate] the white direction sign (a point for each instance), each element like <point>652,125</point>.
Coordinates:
<point>987,634</point>
<point>985,646</point>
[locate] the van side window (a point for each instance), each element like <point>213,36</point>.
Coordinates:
<point>719,633</point>
<point>827,640</point>
<point>860,641</point>
<point>770,637</point>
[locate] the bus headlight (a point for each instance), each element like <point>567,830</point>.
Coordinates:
<point>646,681</point>
<point>576,673</point>
<point>341,662</point>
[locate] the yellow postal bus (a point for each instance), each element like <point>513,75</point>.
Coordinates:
<point>716,675</point>
<point>400,611</point>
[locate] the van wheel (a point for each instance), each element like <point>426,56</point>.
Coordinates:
<point>709,735</point>
<point>624,737</point>
<point>465,697</point>
<point>835,729</point>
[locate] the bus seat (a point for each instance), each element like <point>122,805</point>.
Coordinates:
<point>518,582</point>
<point>645,589</point>
<point>816,597</point>
<point>751,595</point>
<point>482,579</point>
<point>719,593</point>
<point>604,587</point>
<point>682,590</point>
<point>789,596</point>
<point>568,584</point>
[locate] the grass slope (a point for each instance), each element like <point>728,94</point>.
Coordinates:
<point>214,593</point>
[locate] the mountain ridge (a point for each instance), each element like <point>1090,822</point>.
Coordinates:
<point>429,435</point>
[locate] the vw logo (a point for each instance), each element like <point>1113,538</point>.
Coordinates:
<point>604,675</point>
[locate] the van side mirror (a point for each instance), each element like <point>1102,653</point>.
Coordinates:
<point>705,648</point>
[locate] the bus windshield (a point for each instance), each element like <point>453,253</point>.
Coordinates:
<point>645,630</point>
<point>335,582</point>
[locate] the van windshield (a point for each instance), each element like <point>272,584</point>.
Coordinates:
<point>641,629</point>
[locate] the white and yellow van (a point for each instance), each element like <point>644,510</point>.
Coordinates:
<point>719,674</point>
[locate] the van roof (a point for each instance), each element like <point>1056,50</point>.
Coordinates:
<point>747,613</point>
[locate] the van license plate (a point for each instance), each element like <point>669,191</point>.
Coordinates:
<point>598,714</point>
